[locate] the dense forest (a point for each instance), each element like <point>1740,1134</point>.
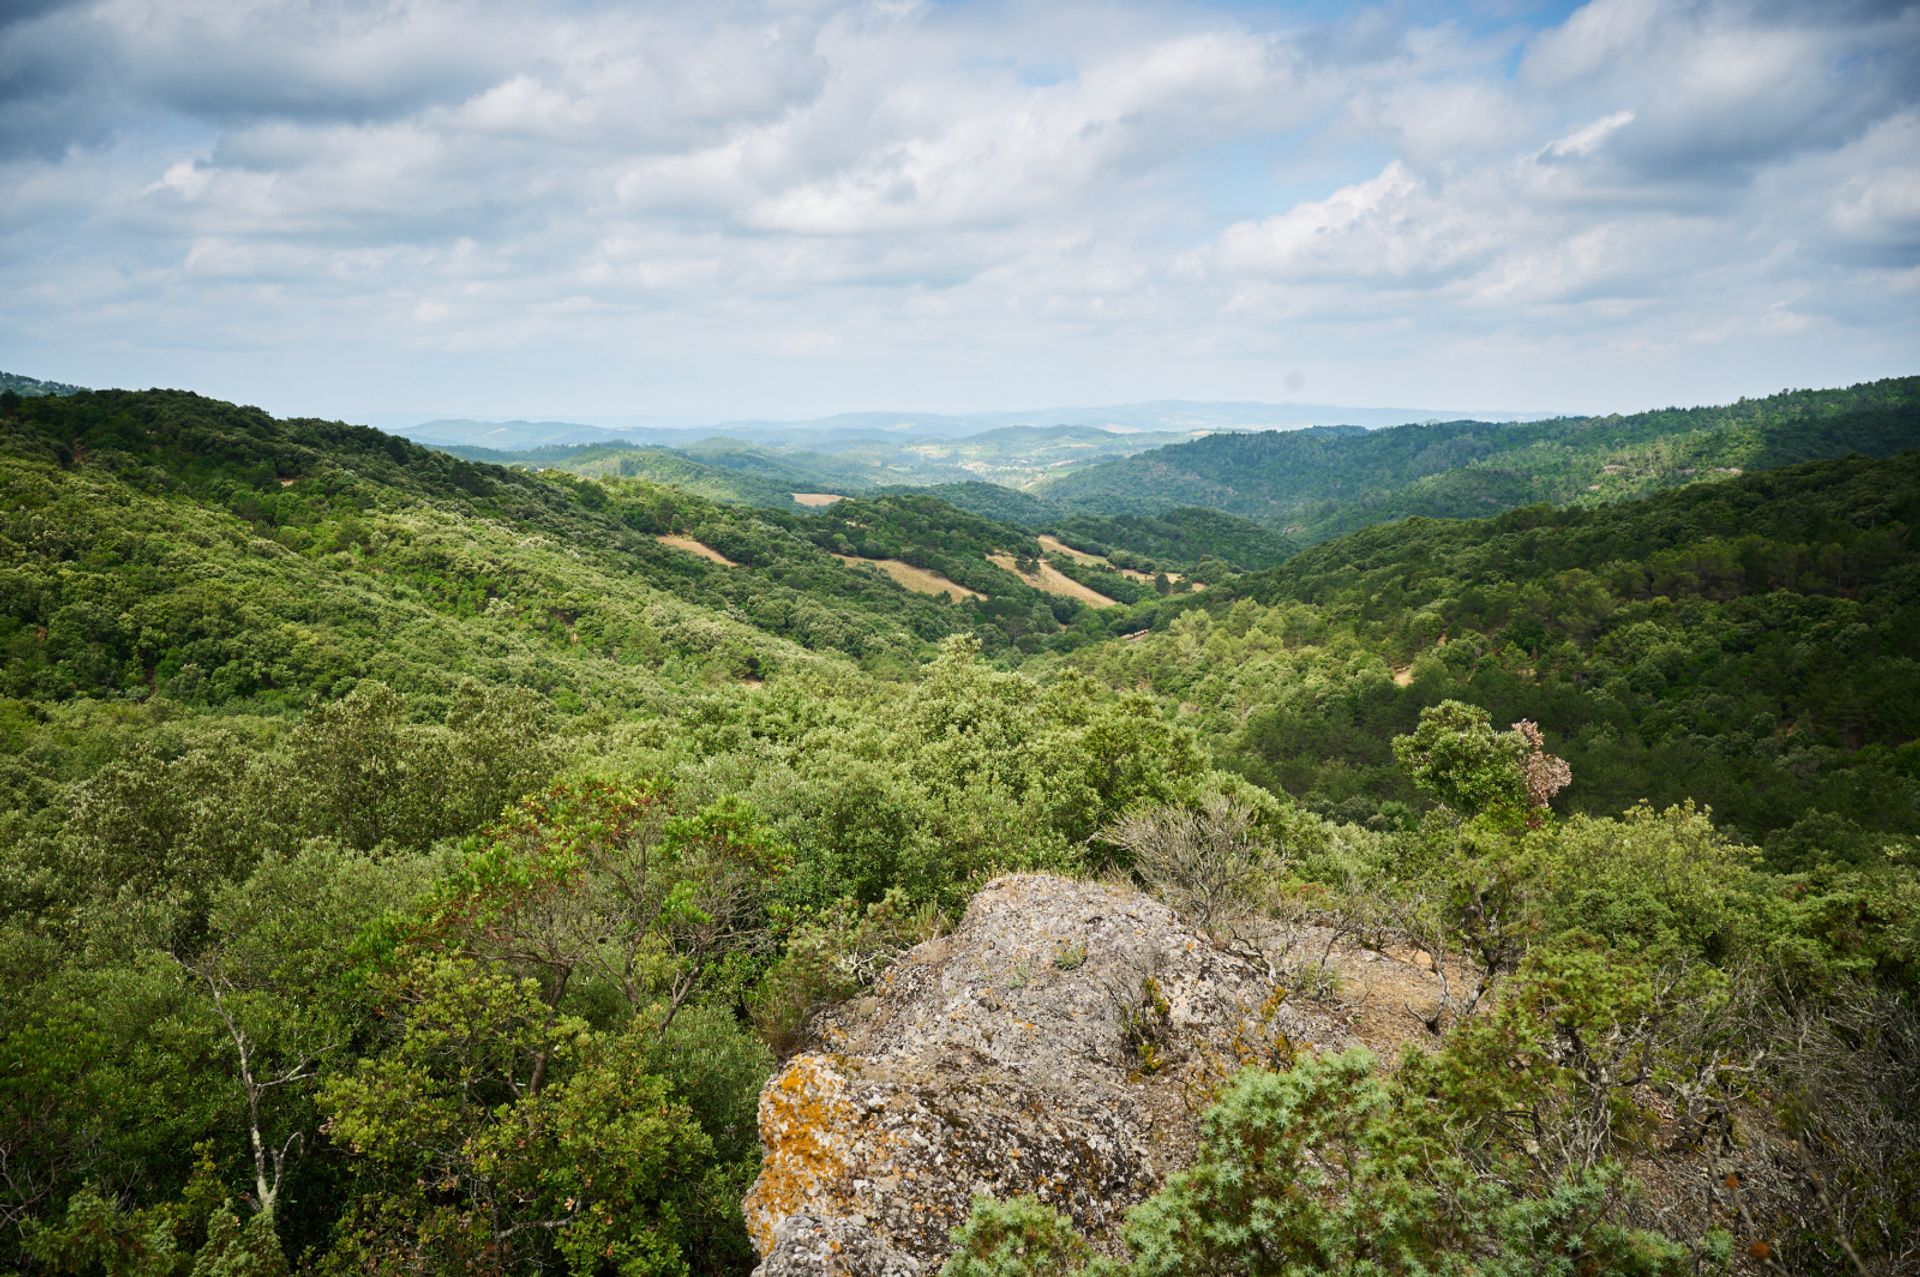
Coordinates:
<point>410,864</point>
<point>772,485</point>
<point>1748,644</point>
<point>1318,483</point>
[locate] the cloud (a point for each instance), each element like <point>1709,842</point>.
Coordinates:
<point>1392,228</point>
<point>801,205</point>
<point>1720,89</point>
<point>1585,141</point>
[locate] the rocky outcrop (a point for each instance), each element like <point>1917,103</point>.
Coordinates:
<point>1059,1043</point>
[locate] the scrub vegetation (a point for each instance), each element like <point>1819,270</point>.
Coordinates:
<point>415,864</point>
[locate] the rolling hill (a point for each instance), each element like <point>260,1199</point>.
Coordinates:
<point>234,550</point>
<point>1751,643</point>
<point>521,822</point>
<point>1316,484</point>
<point>33,387</point>
<point>717,475</point>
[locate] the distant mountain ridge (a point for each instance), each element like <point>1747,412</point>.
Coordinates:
<point>1318,483</point>
<point>1164,415</point>
<point>1011,456</point>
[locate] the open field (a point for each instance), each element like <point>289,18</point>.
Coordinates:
<point>817,500</point>
<point>692,546</point>
<point>1053,581</point>
<point>916,579</point>
<point>1054,545</point>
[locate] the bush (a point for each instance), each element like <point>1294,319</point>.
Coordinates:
<point>1021,1237</point>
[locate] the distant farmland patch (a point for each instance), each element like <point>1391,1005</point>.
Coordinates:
<point>692,546</point>
<point>817,500</point>
<point>1053,581</point>
<point>916,579</point>
<point>1054,545</point>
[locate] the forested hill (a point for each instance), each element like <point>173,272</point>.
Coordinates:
<point>1184,537</point>
<point>1316,484</point>
<point>410,865</point>
<point>161,540</point>
<point>1752,644</point>
<point>1841,528</point>
<point>772,485</point>
<point>33,387</point>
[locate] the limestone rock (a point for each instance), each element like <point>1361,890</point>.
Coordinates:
<point>1059,1043</point>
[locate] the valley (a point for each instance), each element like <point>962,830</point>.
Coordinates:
<point>885,638</point>
<point>319,741</point>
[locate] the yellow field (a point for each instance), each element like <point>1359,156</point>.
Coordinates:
<point>919,580</point>
<point>1054,545</point>
<point>1053,581</point>
<point>692,546</point>
<point>816,500</point>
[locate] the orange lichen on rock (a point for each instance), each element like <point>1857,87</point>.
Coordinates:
<point>982,1064</point>
<point>808,1129</point>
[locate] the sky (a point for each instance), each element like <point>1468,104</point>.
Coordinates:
<point>627,212</point>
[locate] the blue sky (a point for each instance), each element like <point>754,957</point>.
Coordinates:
<point>626,212</point>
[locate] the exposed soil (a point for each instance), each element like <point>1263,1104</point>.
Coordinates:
<point>1054,545</point>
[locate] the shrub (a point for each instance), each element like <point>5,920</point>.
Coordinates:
<point>1021,1237</point>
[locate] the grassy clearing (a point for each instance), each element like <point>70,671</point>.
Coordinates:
<point>916,579</point>
<point>1053,581</point>
<point>692,546</point>
<point>817,500</point>
<point>1054,545</point>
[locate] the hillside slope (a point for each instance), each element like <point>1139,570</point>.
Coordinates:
<point>1315,484</point>
<point>769,484</point>
<point>199,540</point>
<point>1753,644</point>
<point>409,865</point>
<point>34,387</point>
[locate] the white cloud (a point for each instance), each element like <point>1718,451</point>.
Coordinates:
<point>468,205</point>
<point>1585,141</point>
<point>1393,228</point>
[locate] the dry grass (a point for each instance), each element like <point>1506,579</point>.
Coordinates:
<point>1053,581</point>
<point>816,500</point>
<point>692,546</point>
<point>916,579</point>
<point>1054,545</point>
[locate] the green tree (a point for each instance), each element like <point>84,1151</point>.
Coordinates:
<point>1457,758</point>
